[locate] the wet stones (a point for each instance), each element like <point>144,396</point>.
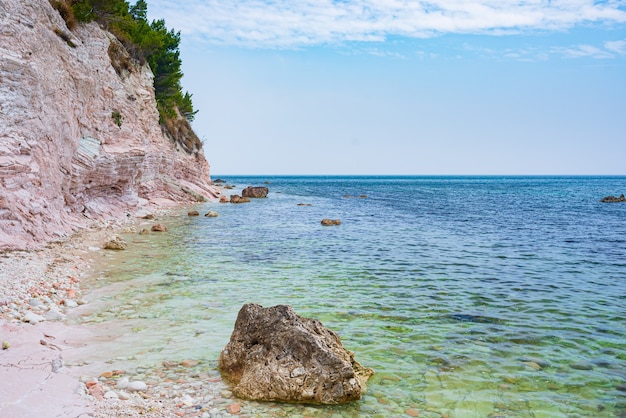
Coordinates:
<point>330,222</point>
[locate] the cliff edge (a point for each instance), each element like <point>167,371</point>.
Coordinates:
<point>80,138</point>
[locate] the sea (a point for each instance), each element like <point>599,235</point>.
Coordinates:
<point>470,296</point>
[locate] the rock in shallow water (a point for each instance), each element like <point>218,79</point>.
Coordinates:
<point>275,355</point>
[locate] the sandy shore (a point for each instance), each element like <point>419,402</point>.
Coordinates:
<point>39,375</point>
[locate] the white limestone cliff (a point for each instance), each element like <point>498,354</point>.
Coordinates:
<point>78,141</point>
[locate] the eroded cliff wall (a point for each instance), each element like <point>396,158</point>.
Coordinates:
<point>78,141</point>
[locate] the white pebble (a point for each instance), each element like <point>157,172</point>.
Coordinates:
<point>136,386</point>
<point>32,317</point>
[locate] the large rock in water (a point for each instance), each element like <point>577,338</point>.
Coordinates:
<point>275,355</point>
<point>255,192</point>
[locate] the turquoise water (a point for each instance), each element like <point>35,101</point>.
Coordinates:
<point>469,296</point>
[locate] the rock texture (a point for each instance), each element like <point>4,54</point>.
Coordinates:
<point>275,355</point>
<point>78,141</point>
<point>255,192</point>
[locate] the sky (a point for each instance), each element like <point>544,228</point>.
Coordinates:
<point>437,87</point>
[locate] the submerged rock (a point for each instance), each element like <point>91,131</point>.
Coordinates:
<point>255,192</point>
<point>211,214</point>
<point>159,228</point>
<point>116,244</point>
<point>275,355</point>
<point>330,222</point>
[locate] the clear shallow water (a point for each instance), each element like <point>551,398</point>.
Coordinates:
<point>469,296</point>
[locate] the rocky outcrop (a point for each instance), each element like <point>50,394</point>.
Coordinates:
<point>613,199</point>
<point>79,141</point>
<point>255,192</point>
<point>275,355</point>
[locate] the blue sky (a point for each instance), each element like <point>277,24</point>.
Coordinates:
<point>405,87</point>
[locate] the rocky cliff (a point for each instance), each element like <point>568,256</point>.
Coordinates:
<point>80,138</point>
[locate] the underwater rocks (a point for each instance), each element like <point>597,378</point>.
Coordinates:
<point>330,222</point>
<point>275,355</point>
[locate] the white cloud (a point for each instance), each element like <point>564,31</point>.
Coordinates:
<point>296,23</point>
<point>618,47</point>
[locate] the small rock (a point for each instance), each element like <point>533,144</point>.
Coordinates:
<point>70,303</point>
<point>136,386</point>
<point>111,395</point>
<point>189,363</point>
<point>194,213</point>
<point>32,318</point>
<point>187,400</point>
<point>144,231</point>
<point>159,228</point>
<point>122,383</point>
<point>234,408</point>
<point>412,412</point>
<point>582,365</point>
<point>532,365</point>
<point>613,199</point>
<point>106,375</point>
<point>149,216</point>
<point>329,222</point>
<point>116,244</point>
<point>238,199</point>
<point>226,393</point>
<point>212,214</point>
<point>96,390</point>
<point>35,303</point>
<point>55,315</point>
<point>123,396</point>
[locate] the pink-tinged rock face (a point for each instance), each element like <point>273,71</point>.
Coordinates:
<point>78,142</point>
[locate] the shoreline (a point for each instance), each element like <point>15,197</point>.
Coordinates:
<point>41,290</point>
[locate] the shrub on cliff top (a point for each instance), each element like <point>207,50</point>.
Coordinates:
<point>144,41</point>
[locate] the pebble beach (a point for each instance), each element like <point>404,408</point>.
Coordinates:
<point>39,290</point>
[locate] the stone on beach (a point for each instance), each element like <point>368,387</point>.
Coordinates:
<point>32,318</point>
<point>193,213</point>
<point>275,355</point>
<point>211,214</point>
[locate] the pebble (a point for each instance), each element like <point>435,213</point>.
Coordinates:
<point>136,386</point>
<point>70,303</point>
<point>583,365</point>
<point>54,315</point>
<point>32,318</point>
<point>111,395</point>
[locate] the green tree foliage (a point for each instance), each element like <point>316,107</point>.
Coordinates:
<point>147,42</point>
